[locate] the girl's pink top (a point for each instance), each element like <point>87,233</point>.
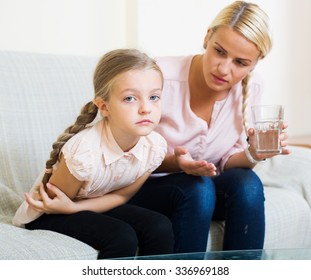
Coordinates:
<point>94,157</point>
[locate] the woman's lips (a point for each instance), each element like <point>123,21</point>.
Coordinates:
<point>219,80</point>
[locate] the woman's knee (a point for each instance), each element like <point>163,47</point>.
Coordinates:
<point>246,185</point>
<point>198,189</point>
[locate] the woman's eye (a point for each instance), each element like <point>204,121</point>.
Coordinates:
<point>129,99</point>
<point>219,51</point>
<point>241,63</point>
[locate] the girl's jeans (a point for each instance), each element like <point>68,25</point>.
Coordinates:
<point>192,202</point>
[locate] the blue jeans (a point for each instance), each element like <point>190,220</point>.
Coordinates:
<point>192,202</point>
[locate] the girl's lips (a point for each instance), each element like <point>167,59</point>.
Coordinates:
<point>145,122</point>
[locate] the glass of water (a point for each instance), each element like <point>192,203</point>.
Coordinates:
<point>268,121</point>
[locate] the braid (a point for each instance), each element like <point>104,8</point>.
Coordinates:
<point>87,115</point>
<point>245,94</point>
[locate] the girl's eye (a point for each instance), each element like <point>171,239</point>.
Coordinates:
<point>129,99</point>
<point>154,97</point>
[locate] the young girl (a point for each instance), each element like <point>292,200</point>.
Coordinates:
<point>108,162</point>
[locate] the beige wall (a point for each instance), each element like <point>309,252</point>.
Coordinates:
<point>165,27</point>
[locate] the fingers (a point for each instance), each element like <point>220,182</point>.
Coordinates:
<point>36,205</point>
<point>54,189</point>
<point>43,193</point>
<point>201,168</point>
<point>284,125</point>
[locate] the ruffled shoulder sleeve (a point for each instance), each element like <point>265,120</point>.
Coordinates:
<point>158,151</point>
<point>80,155</point>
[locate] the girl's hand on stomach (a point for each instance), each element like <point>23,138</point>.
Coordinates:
<point>60,204</point>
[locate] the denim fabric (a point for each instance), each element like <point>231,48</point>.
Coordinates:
<point>192,202</point>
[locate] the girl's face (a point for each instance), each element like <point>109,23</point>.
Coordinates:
<point>228,58</point>
<point>134,106</point>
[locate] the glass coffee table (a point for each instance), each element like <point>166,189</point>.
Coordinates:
<point>271,254</point>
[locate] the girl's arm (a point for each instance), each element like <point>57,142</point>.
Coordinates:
<point>64,180</point>
<point>61,203</point>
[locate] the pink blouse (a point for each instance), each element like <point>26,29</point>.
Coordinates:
<point>94,157</point>
<point>180,126</point>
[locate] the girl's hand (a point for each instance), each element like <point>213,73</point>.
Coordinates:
<point>191,166</point>
<point>60,204</point>
<point>261,156</point>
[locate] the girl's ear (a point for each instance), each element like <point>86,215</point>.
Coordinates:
<point>102,106</point>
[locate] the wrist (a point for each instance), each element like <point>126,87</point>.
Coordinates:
<point>250,157</point>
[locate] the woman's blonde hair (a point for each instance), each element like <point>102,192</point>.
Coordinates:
<point>109,67</point>
<point>253,23</point>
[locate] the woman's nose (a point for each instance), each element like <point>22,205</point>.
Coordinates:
<point>224,67</point>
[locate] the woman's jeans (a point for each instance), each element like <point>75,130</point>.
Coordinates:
<point>192,202</point>
<point>117,233</point>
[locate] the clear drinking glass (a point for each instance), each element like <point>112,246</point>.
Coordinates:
<point>268,121</point>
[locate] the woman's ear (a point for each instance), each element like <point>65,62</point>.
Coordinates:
<point>102,106</point>
<point>207,37</point>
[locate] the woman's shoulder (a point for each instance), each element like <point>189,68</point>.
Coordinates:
<point>175,67</point>
<point>257,78</point>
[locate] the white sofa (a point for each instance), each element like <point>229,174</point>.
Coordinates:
<point>42,94</point>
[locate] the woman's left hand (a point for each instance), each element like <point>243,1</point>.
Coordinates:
<point>262,156</point>
<point>60,204</point>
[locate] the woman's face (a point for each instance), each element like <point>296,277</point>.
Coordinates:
<point>228,58</point>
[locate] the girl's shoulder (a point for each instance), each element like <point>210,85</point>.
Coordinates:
<point>81,153</point>
<point>154,139</point>
<point>156,151</point>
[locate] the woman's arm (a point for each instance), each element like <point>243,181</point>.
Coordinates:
<point>62,204</point>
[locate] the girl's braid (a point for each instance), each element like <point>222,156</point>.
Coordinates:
<point>87,115</point>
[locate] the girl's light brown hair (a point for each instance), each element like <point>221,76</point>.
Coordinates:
<point>109,67</point>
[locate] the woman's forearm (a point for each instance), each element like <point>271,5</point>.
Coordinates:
<point>168,165</point>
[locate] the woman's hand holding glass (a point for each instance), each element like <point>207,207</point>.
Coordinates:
<point>262,156</point>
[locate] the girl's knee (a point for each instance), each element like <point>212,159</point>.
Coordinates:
<point>159,224</point>
<point>123,242</point>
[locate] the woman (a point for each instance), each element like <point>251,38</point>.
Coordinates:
<point>207,100</point>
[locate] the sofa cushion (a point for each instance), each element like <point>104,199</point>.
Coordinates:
<point>40,96</point>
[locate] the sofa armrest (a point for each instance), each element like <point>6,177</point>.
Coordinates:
<point>290,172</point>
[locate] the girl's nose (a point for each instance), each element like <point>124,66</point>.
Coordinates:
<point>144,108</point>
